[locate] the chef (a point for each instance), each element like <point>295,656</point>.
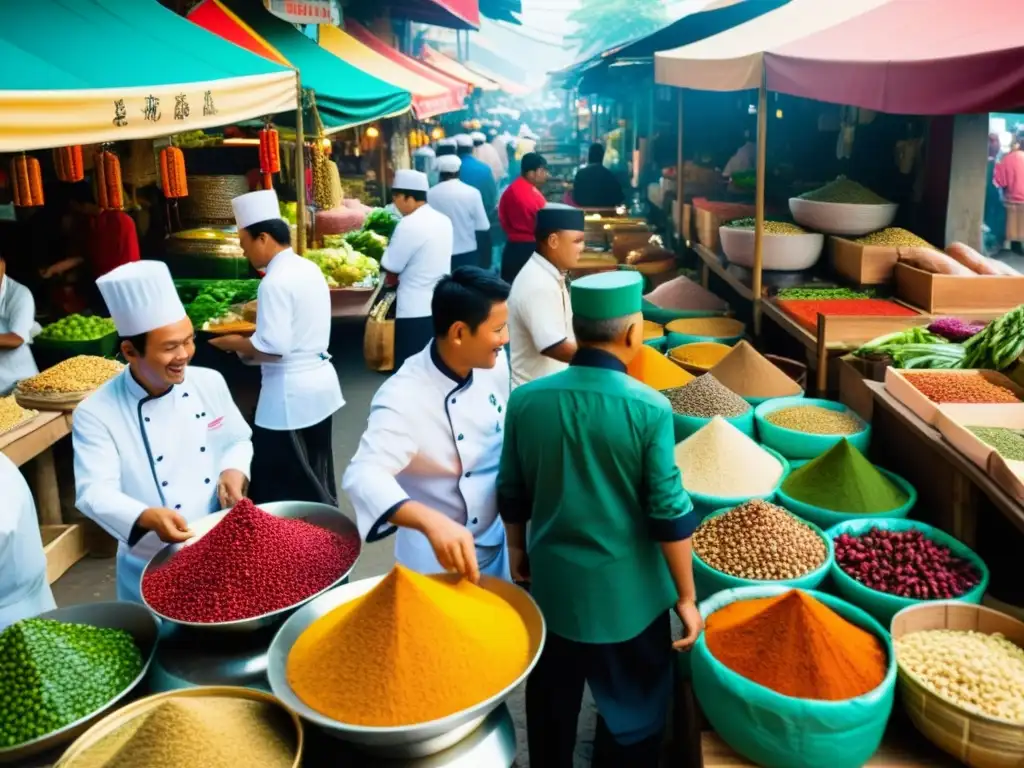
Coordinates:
<point>17,327</point>
<point>588,463</point>
<point>444,147</point>
<point>541,339</point>
<point>24,589</point>
<point>478,174</point>
<point>162,444</point>
<point>427,462</point>
<point>463,205</point>
<point>420,254</point>
<point>300,391</point>
<point>487,154</point>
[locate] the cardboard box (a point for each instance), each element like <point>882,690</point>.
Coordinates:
<point>953,422</point>
<point>897,384</point>
<point>862,264</point>
<point>955,293</point>
<point>63,545</point>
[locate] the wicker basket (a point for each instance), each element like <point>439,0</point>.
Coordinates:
<point>41,402</point>
<point>209,199</point>
<point>976,740</point>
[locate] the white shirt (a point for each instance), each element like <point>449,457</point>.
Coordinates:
<point>420,253</point>
<point>17,315</point>
<point>464,205</point>
<point>501,148</point>
<point>134,451</point>
<point>742,161</point>
<point>485,153</point>
<point>293,320</point>
<point>24,589</point>
<point>539,317</point>
<point>437,441</point>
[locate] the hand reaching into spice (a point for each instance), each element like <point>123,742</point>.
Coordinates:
<point>171,527</point>
<point>453,544</point>
<point>231,487</point>
<point>693,624</point>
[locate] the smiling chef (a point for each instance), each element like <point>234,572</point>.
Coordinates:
<point>162,444</point>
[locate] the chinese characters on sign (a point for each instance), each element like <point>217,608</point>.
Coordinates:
<point>181,107</point>
<point>151,111</point>
<point>305,11</point>
<point>120,113</point>
<point>208,108</point>
<point>150,108</point>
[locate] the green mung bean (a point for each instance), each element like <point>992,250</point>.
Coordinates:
<point>816,420</point>
<point>1009,443</point>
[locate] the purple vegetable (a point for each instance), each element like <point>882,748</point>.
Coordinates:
<point>955,329</point>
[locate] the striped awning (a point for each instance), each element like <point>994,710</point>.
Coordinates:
<point>453,68</point>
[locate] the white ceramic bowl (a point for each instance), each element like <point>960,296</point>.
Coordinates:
<point>779,252</point>
<point>842,218</point>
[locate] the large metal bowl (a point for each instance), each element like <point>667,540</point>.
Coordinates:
<point>321,515</point>
<point>403,741</point>
<point>133,619</point>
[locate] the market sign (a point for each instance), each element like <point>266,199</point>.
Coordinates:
<point>305,11</point>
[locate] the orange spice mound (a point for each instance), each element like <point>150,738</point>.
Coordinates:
<point>797,646</point>
<point>415,648</point>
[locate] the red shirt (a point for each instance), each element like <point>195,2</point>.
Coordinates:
<point>114,242</point>
<point>517,210</point>
<point>1009,176</point>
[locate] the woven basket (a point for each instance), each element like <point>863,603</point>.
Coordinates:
<point>976,740</point>
<point>28,417</point>
<point>66,401</point>
<point>209,199</point>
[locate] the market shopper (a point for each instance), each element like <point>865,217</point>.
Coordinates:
<point>445,147</point>
<point>478,174</point>
<point>487,155</point>
<point>24,590</point>
<point>588,463</point>
<point>17,326</point>
<point>541,339</point>
<point>463,205</point>
<point>163,444</point>
<point>517,212</point>
<point>595,186</point>
<point>427,462</point>
<point>300,391</point>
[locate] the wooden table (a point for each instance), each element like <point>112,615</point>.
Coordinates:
<point>34,440</point>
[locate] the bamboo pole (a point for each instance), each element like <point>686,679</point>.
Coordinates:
<point>300,172</point>
<point>762,156</point>
<point>680,167</point>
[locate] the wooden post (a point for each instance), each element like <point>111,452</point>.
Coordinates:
<point>680,167</point>
<point>762,153</point>
<point>300,172</point>
<point>821,380</point>
<point>381,143</point>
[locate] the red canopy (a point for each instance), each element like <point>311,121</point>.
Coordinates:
<point>909,57</point>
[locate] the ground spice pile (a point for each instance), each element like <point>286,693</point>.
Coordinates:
<point>705,397</point>
<point>249,564</point>
<point>415,648</point>
<point>806,311</point>
<point>816,420</point>
<point>712,327</point>
<point>749,374</point>
<point>842,480</point>
<point>682,293</point>
<point>1009,443</point>
<point>719,460</point>
<point>797,646</point>
<point>53,673</point>
<point>700,354</point>
<point>961,388</point>
<point>188,732</point>
<point>657,371</point>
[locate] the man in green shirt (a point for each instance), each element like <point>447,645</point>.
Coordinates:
<point>588,462</point>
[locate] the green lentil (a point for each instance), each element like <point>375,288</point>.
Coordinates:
<point>770,227</point>
<point>816,420</point>
<point>53,673</point>
<point>705,397</point>
<point>894,237</point>
<point>844,190</point>
<point>810,292</point>
<point>1009,443</point>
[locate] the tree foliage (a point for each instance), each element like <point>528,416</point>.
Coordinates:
<point>602,24</point>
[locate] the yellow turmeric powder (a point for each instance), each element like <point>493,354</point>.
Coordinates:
<point>657,371</point>
<point>714,327</point>
<point>414,649</point>
<point>653,330</point>
<point>703,355</point>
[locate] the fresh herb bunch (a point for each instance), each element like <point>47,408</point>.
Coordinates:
<point>915,348</point>
<point>999,344</point>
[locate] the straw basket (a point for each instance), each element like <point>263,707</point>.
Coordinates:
<point>45,402</point>
<point>209,199</point>
<point>976,740</point>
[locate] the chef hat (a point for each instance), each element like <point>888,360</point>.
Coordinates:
<point>464,140</point>
<point>448,164</point>
<point>478,137</point>
<point>554,217</point>
<point>426,151</point>
<point>254,207</point>
<point>607,295</point>
<point>141,297</point>
<point>446,147</point>
<point>410,181</point>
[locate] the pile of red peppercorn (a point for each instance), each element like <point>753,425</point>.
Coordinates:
<point>251,563</point>
<point>905,563</point>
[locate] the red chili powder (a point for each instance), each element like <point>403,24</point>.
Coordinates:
<point>249,564</point>
<point>806,311</point>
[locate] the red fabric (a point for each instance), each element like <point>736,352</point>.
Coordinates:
<point>114,242</point>
<point>517,210</point>
<point>940,57</point>
<point>1009,175</point>
<point>806,311</point>
<point>215,18</point>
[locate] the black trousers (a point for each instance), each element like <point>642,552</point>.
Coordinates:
<point>513,257</point>
<point>294,465</point>
<point>411,335</point>
<point>633,671</point>
<point>467,259</point>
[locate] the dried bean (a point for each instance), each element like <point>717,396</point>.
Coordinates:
<point>1009,443</point>
<point>76,374</point>
<point>705,397</point>
<point>12,414</point>
<point>816,420</point>
<point>960,388</point>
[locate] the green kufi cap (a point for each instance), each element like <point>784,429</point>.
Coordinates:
<point>607,295</point>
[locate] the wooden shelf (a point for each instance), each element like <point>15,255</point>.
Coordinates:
<point>903,750</point>
<point>35,436</point>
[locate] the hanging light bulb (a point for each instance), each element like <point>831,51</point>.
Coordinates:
<point>372,132</point>
<point>437,134</point>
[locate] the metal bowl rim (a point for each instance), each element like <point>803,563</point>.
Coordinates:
<point>482,708</point>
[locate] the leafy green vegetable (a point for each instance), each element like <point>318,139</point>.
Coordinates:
<point>380,221</point>
<point>344,267</point>
<point>999,344</point>
<point>368,242</point>
<point>915,348</point>
<point>215,297</point>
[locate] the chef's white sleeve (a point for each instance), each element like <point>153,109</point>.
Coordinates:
<point>274,330</point>
<point>21,314</point>
<point>235,434</point>
<point>480,220</point>
<point>400,248</point>
<point>544,316</point>
<point>385,449</point>
<point>98,493</point>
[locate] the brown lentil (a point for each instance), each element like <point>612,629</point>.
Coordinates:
<point>758,540</point>
<point>705,397</point>
<point>816,420</point>
<point>76,374</point>
<point>960,388</point>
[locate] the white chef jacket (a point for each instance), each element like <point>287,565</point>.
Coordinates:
<point>433,439</point>
<point>134,451</point>
<point>539,317</point>
<point>487,154</point>
<point>464,205</point>
<point>24,590</point>
<point>501,148</point>
<point>293,320</point>
<point>420,253</point>
<point>17,315</point>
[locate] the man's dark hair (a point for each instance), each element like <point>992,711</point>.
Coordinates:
<point>596,154</point>
<point>532,161</point>
<point>416,194</point>
<point>276,228</point>
<point>466,295</point>
<point>462,151</point>
<point>597,331</point>
<point>449,175</point>
<point>138,341</point>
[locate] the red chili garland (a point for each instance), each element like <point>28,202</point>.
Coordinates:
<point>251,563</point>
<point>806,311</point>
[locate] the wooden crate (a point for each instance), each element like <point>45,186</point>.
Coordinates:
<point>900,387</point>
<point>853,392</point>
<point>955,293</point>
<point>63,545</point>
<point>862,264</point>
